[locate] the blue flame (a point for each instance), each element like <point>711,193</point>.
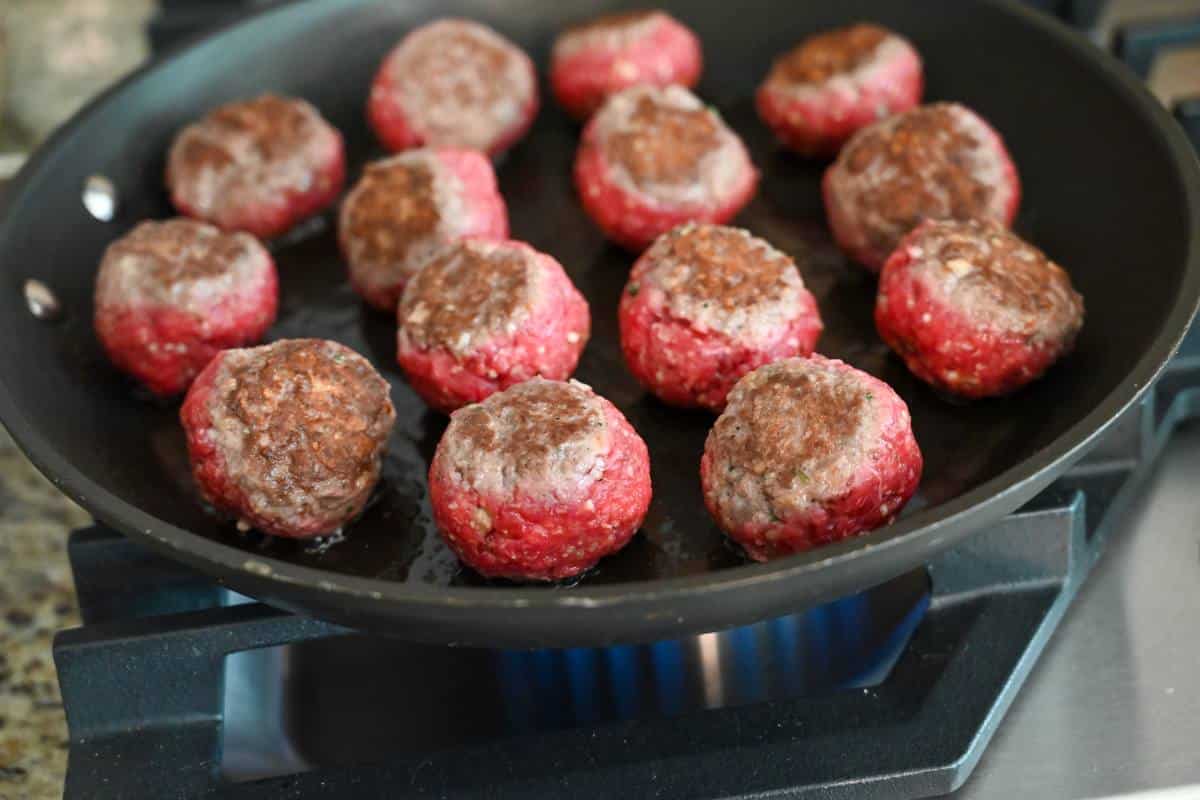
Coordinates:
<point>847,643</point>
<point>748,682</point>
<point>667,658</point>
<point>622,666</point>
<point>582,677</point>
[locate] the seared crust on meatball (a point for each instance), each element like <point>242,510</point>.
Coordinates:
<point>546,438</point>
<point>454,83</point>
<point>653,158</point>
<point>539,482</point>
<point>470,293</point>
<point>171,295</point>
<point>484,315</point>
<point>826,55</point>
<point>602,56</point>
<point>258,165</point>
<point>288,437</point>
<point>939,161</point>
<point>809,451</point>
<point>705,305</point>
<point>827,87</point>
<point>974,310</point>
<point>406,207</point>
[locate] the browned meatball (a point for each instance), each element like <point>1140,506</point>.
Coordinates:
<point>288,437</point>
<point>808,452</point>
<point>940,161</point>
<point>974,310</point>
<point>170,295</point>
<point>259,166</point>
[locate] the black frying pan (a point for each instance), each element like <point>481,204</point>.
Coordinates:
<point>1111,191</point>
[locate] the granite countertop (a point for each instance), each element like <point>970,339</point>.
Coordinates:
<point>36,599</point>
<point>54,55</point>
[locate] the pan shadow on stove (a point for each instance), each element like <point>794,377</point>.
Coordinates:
<point>359,699</point>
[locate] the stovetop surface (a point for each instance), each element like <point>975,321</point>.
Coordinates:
<point>297,709</point>
<point>1111,707</point>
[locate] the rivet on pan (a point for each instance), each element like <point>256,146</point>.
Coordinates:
<point>42,302</point>
<point>100,198</point>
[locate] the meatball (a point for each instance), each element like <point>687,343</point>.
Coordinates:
<point>653,158</point>
<point>808,452</point>
<point>973,309</point>
<point>539,482</point>
<point>705,305</point>
<point>830,85</point>
<point>484,315</point>
<point>453,83</point>
<point>406,207</point>
<point>287,438</point>
<point>171,295</point>
<point>589,62</point>
<point>940,161</point>
<point>259,166</point>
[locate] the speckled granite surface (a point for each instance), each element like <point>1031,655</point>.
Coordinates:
<point>36,599</point>
<point>54,54</point>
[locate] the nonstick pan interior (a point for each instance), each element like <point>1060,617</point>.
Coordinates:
<point>1107,194</point>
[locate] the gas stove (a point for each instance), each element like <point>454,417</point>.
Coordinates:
<point>174,681</point>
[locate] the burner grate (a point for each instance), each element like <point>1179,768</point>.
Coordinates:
<point>145,681</point>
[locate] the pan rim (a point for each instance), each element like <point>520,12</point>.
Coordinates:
<point>940,525</point>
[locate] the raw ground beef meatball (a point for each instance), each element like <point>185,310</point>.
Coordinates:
<point>453,83</point>
<point>705,305</point>
<point>484,315</point>
<point>973,309</point>
<point>591,61</point>
<point>406,207</point>
<point>259,166</point>
<point>539,482</point>
<point>653,158</point>
<point>171,295</point>
<point>287,438</point>
<point>939,161</point>
<point>808,452</point>
<point>830,85</point>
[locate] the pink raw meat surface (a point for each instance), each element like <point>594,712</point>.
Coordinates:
<point>171,295</point>
<point>827,88</point>
<point>654,158</point>
<point>611,53</point>
<point>539,482</point>
<point>705,305</point>
<point>808,452</point>
<point>973,310</point>
<point>514,310</point>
